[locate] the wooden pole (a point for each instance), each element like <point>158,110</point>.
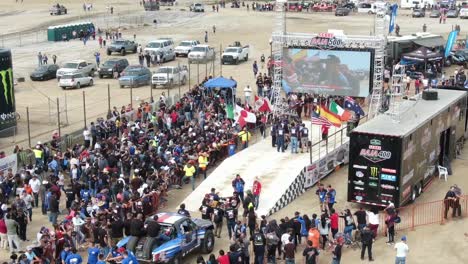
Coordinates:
<point>58,117</point>
<point>84,109</point>
<point>29,127</point>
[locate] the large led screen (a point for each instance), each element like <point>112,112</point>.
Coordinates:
<point>332,72</point>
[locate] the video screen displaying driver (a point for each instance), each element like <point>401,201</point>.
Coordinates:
<point>333,72</point>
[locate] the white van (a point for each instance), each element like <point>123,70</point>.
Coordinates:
<point>372,8</point>
<point>415,3</point>
<point>163,45</point>
<point>463,13</point>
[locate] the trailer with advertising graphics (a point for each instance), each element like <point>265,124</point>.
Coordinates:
<point>394,162</point>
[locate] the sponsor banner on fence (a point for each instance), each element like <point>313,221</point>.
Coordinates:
<point>9,162</point>
<point>326,165</point>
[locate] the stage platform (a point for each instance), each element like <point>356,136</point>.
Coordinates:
<point>284,176</point>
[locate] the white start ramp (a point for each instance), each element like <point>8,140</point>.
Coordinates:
<point>284,176</point>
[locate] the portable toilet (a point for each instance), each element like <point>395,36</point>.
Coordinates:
<point>51,33</point>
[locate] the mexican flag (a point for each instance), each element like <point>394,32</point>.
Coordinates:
<point>230,111</point>
<point>343,114</point>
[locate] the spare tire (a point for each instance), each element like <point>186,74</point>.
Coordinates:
<point>132,242</point>
<point>150,244</point>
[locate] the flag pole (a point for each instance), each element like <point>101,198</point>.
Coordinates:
<point>311,143</point>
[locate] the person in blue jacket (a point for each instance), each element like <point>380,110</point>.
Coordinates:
<point>73,258</point>
<point>65,252</point>
<point>322,195</point>
<point>93,253</point>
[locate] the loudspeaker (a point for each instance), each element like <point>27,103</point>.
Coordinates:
<point>430,95</point>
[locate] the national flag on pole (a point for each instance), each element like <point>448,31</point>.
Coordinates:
<point>318,120</point>
<point>230,111</point>
<point>343,114</point>
<point>262,104</point>
<point>243,116</point>
<point>353,106</point>
<point>331,117</point>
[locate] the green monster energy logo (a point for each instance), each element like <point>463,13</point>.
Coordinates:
<point>7,88</point>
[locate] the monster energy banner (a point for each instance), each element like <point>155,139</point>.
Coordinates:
<point>7,96</point>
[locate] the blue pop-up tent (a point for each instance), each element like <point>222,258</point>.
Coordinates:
<point>220,82</point>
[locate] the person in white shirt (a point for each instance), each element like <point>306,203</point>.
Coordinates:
<point>35,184</point>
<point>285,239</point>
<point>28,200</point>
<point>373,221</point>
<point>402,250</point>
<point>247,93</point>
<point>77,224</point>
<point>87,137</point>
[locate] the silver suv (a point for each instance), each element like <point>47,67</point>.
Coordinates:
<point>122,46</point>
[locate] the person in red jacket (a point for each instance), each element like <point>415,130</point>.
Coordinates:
<point>256,189</point>
<point>334,222</point>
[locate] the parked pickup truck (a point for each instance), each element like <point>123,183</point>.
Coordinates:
<point>58,10</point>
<point>197,7</point>
<point>201,53</point>
<point>169,75</point>
<point>122,46</point>
<point>77,66</point>
<point>234,54</point>
<point>185,47</point>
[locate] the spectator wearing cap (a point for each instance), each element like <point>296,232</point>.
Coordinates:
<point>31,256</point>
<point>35,184</point>
<point>402,250</point>
<point>190,170</point>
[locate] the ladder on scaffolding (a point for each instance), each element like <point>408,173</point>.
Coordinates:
<point>279,31</point>
<point>396,92</point>
<point>380,31</point>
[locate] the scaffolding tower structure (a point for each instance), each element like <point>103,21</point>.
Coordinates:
<point>396,92</point>
<point>277,56</point>
<point>376,98</point>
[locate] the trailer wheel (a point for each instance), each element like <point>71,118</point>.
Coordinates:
<point>413,194</point>
<point>420,188</point>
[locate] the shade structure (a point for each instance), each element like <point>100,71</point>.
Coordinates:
<point>423,54</point>
<point>220,82</point>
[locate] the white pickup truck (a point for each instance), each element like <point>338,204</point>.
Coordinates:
<point>169,75</point>
<point>233,55</point>
<point>201,54</point>
<point>78,66</point>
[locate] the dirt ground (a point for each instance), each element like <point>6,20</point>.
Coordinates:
<point>430,244</point>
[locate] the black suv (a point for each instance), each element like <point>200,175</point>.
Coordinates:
<point>108,67</point>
